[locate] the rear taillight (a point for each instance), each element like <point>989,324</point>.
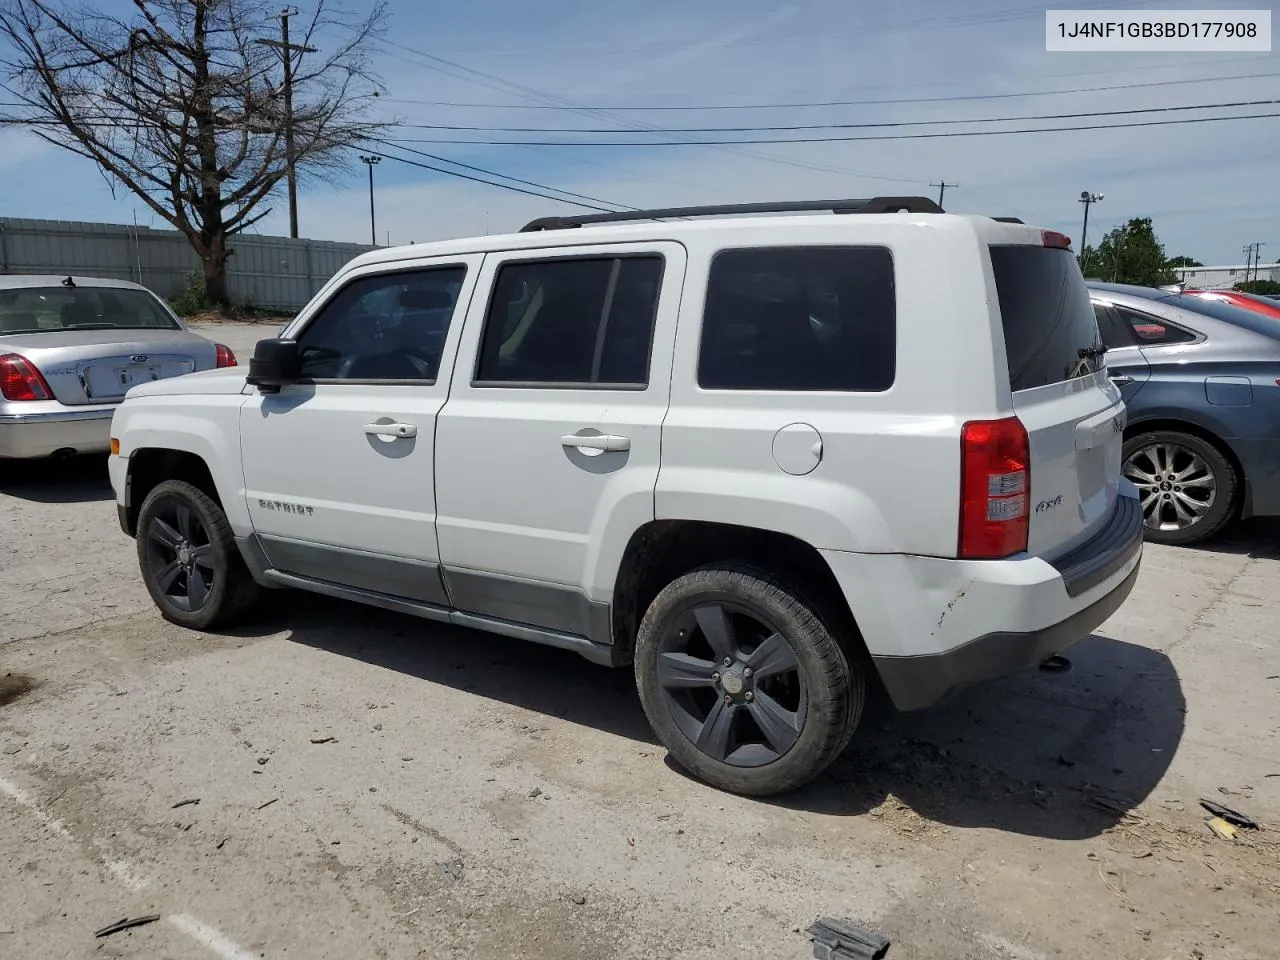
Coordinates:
<point>995,475</point>
<point>1052,238</point>
<point>20,380</point>
<point>225,357</point>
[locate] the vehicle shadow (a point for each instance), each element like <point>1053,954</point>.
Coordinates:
<point>80,479</point>
<point>1061,756</point>
<point>1258,537</point>
<point>1052,755</point>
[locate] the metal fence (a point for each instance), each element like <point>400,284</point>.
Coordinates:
<point>274,273</point>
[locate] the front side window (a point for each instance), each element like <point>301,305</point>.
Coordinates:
<point>579,321</point>
<point>799,319</point>
<point>52,309</point>
<point>389,326</point>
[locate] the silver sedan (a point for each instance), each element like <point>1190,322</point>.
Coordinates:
<point>70,349</point>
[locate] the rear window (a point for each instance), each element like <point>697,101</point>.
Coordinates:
<point>799,319</point>
<point>51,309</point>
<point>1253,320</point>
<point>1050,333</point>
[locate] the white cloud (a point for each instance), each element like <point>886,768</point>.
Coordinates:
<point>1209,188</point>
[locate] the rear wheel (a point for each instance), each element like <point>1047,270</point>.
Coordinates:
<point>743,682</point>
<point>188,558</point>
<point>1186,485</point>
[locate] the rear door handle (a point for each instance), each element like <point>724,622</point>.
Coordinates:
<point>392,430</point>
<point>605,443</point>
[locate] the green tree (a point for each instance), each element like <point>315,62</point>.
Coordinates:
<point>1266,288</point>
<point>1130,253</point>
<point>1184,262</point>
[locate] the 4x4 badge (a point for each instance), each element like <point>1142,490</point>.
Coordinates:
<point>138,358</point>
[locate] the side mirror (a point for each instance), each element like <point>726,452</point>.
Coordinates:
<point>275,363</point>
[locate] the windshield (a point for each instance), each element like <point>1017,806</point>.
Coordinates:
<point>52,309</point>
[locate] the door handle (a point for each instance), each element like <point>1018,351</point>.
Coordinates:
<point>605,443</point>
<point>1122,380</point>
<point>391,430</point>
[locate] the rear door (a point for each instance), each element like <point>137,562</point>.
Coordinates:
<point>1126,366</point>
<point>1073,414</point>
<point>549,444</point>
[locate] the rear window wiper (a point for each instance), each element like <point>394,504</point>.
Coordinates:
<point>1091,353</point>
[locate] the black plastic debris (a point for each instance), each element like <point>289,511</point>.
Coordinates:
<point>1232,817</point>
<point>126,924</point>
<point>841,940</point>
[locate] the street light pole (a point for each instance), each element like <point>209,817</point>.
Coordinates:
<point>1086,198</point>
<point>373,229</point>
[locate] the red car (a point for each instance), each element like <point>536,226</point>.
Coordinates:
<point>1237,298</point>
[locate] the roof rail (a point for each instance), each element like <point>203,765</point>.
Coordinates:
<point>1007,220</point>
<point>873,205</point>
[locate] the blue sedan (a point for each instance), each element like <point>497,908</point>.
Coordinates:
<point>1201,380</point>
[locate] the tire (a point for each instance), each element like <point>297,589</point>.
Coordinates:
<point>1165,500</point>
<point>169,572</point>
<point>819,696</point>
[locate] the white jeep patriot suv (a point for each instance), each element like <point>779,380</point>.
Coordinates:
<point>768,454</point>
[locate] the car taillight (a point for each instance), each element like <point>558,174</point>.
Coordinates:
<point>225,357</point>
<point>20,380</point>
<point>995,475</point>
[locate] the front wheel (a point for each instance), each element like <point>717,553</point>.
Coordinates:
<point>188,558</point>
<point>743,682</point>
<point>1186,485</point>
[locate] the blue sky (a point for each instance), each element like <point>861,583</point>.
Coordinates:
<point>1210,188</point>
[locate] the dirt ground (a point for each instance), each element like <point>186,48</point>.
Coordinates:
<point>331,781</point>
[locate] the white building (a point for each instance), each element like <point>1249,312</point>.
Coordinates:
<point>1224,278</point>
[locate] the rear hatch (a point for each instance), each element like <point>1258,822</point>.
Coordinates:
<point>1073,415</point>
<point>92,344</point>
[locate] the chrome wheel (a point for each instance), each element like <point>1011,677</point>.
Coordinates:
<point>181,555</point>
<point>1177,486</point>
<point>732,684</point>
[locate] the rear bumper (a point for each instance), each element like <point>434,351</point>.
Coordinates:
<point>934,625</point>
<point>26,435</point>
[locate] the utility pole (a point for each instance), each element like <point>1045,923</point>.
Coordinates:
<point>1247,249</point>
<point>1257,257</point>
<point>1086,198</point>
<point>942,189</point>
<point>287,51</point>
<point>372,161</point>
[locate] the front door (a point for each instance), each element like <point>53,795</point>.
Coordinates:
<point>549,445</point>
<point>338,468</point>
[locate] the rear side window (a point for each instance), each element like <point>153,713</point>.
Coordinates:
<point>1050,333</point>
<point>581,321</point>
<point>799,318</point>
<point>1152,330</point>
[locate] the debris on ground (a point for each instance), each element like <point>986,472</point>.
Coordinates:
<point>262,761</point>
<point>324,739</point>
<point>126,924</point>
<point>842,940</point>
<point>452,869</point>
<point>1232,817</point>
<point>535,792</point>
<point>1222,828</point>
<point>185,803</point>
<point>263,806</point>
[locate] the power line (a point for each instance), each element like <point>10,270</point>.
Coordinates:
<point>493,173</point>
<point>891,136</point>
<point>490,183</point>
<point>882,124</point>
<point>837,103</point>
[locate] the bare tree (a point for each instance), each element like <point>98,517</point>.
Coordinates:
<point>182,104</point>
